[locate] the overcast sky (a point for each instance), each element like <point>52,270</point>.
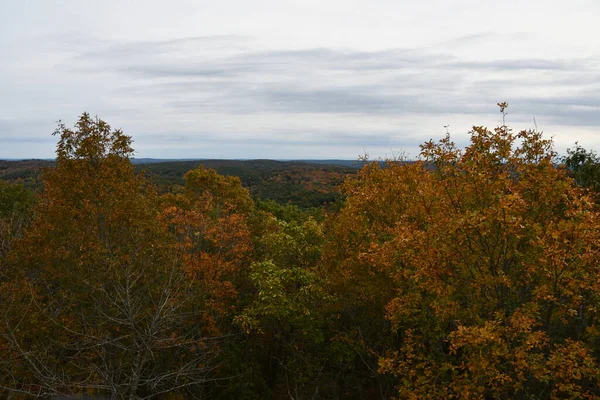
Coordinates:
<point>296,79</point>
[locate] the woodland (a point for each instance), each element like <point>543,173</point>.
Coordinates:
<point>471,273</point>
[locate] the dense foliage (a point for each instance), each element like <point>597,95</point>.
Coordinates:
<point>288,182</point>
<point>303,184</point>
<point>471,273</point>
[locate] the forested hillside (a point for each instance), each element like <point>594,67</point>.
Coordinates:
<point>25,172</point>
<point>470,274</point>
<point>299,183</point>
<point>287,182</point>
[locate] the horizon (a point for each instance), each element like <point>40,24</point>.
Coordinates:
<point>197,159</point>
<point>310,80</point>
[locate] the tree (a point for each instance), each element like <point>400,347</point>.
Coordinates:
<point>287,316</point>
<point>484,263</point>
<point>16,203</point>
<point>98,299</point>
<point>584,167</point>
<point>209,224</point>
<point>361,288</point>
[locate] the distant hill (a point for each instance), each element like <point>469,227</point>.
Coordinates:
<point>303,183</point>
<point>25,172</point>
<point>306,183</point>
<point>345,163</point>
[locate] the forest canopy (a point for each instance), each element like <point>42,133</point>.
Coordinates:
<point>471,273</point>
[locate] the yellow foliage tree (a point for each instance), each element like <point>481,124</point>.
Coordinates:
<point>484,261</point>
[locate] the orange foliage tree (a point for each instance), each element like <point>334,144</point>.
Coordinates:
<point>100,295</point>
<point>484,264</point>
<point>209,224</point>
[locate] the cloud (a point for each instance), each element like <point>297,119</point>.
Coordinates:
<point>293,137</point>
<point>226,89</point>
<point>575,110</point>
<point>223,74</point>
<point>22,130</point>
<point>290,144</point>
<point>106,50</point>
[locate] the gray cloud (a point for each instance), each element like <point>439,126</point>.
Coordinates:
<point>293,138</point>
<point>103,50</point>
<point>576,110</point>
<point>22,130</point>
<point>220,74</point>
<point>26,139</point>
<point>223,90</point>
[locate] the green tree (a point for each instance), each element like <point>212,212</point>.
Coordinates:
<point>16,203</point>
<point>584,167</point>
<point>286,318</point>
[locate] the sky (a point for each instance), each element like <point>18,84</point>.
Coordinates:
<point>310,79</point>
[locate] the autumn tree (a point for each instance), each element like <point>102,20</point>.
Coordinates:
<point>208,222</point>
<point>16,203</point>
<point>484,263</point>
<point>99,297</point>
<point>362,288</point>
<point>584,167</point>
